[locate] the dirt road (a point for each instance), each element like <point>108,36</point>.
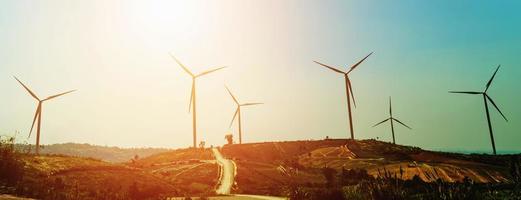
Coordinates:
<point>227,176</point>
<point>227,179</point>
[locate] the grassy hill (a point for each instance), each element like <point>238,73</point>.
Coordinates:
<point>173,173</point>
<point>263,168</point>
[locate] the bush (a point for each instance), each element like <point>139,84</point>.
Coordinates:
<point>11,167</point>
<point>330,175</point>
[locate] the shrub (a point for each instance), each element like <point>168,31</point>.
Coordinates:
<point>11,167</point>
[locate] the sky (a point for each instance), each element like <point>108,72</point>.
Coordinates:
<point>130,92</point>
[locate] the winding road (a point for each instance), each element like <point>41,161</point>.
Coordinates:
<point>227,175</point>
<point>227,179</point>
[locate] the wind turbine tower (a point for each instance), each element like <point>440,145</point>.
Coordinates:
<point>392,119</point>
<point>349,90</point>
<point>38,114</point>
<point>192,105</point>
<point>238,113</point>
<point>486,100</point>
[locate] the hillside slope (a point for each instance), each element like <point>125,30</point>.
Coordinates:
<point>263,167</point>
<point>192,171</point>
<point>64,177</point>
<point>174,173</point>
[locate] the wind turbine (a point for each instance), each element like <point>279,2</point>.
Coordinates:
<point>192,104</point>
<point>391,119</point>
<point>38,114</point>
<point>487,99</point>
<point>238,113</point>
<point>349,90</point>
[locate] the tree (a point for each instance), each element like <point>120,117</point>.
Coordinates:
<point>229,138</point>
<point>136,157</point>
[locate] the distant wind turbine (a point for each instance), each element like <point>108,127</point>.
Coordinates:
<point>238,113</point>
<point>349,90</point>
<point>192,104</point>
<point>487,99</point>
<point>391,119</point>
<point>38,114</point>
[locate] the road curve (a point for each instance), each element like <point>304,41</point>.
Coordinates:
<point>227,176</point>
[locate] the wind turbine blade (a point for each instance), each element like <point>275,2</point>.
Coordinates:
<point>401,123</point>
<point>358,63</point>
<point>351,91</point>
<point>180,64</point>
<point>54,96</point>
<point>332,68</point>
<point>381,122</point>
<point>38,109</point>
<point>233,97</point>
<point>465,92</point>
<point>234,115</point>
<point>26,88</point>
<point>192,92</point>
<point>493,103</point>
<point>209,71</point>
<point>492,78</point>
<point>250,104</point>
<point>390,107</point>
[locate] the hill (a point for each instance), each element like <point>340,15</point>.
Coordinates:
<point>323,168</point>
<point>65,177</point>
<point>265,168</point>
<point>174,173</point>
<point>109,154</point>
